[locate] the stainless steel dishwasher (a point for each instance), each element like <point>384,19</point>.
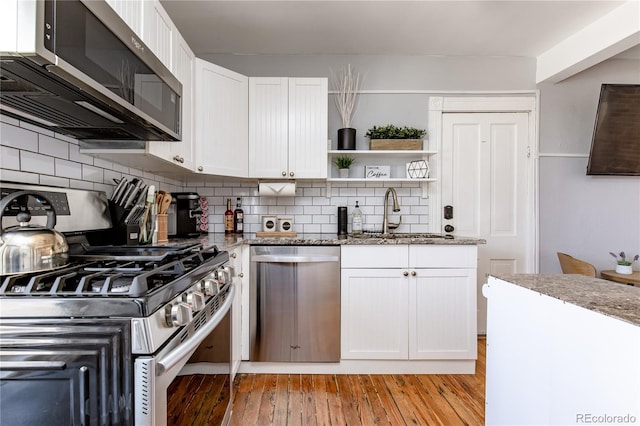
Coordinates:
<point>295,303</point>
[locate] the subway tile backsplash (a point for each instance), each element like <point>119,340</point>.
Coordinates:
<point>37,156</point>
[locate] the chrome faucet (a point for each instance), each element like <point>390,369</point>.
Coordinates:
<point>386,225</point>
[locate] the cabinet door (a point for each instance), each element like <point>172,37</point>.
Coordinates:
<point>158,31</point>
<point>181,153</point>
<point>268,127</point>
<point>130,11</point>
<point>221,120</point>
<point>442,314</point>
<point>374,314</point>
<point>308,106</point>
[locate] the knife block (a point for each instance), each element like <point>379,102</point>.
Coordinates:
<point>122,233</point>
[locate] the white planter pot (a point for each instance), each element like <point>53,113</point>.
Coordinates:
<point>624,269</point>
<point>343,173</point>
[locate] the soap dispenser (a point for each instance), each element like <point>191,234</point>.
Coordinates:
<point>356,220</point>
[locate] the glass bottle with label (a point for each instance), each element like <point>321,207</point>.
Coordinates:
<point>228,218</point>
<point>356,220</point>
<point>238,218</point>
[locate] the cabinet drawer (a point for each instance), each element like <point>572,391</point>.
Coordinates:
<point>374,256</point>
<point>443,256</point>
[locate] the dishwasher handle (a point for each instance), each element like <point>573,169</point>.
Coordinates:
<point>294,259</point>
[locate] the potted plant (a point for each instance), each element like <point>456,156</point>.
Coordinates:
<point>346,84</point>
<point>394,137</point>
<point>624,266</point>
<point>343,162</point>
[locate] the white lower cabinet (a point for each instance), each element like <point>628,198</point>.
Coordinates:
<point>409,302</point>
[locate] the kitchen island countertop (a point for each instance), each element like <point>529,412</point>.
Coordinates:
<point>609,298</point>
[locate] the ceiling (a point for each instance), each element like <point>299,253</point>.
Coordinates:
<point>442,28</point>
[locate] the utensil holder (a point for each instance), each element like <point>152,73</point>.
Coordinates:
<point>163,224</point>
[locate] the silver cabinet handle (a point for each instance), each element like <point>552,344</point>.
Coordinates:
<point>414,273</point>
<point>200,168</point>
<point>291,174</point>
<point>405,273</point>
<point>284,173</point>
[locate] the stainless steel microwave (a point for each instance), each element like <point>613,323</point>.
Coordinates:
<point>76,67</point>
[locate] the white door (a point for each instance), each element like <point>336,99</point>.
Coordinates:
<point>485,178</point>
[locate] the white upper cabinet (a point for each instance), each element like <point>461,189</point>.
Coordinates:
<point>130,11</point>
<point>181,152</point>
<point>158,31</point>
<point>287,127</point>
<point>221,121</point>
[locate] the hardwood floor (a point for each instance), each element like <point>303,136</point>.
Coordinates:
<point>398,399</point>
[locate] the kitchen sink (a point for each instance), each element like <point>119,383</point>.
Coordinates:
<point>399,235</point>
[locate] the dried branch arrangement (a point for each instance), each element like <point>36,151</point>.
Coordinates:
<point>346,84</point>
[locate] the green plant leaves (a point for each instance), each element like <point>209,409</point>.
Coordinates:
<point>393,132</point>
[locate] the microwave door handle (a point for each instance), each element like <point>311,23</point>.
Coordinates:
<point>186,348</point>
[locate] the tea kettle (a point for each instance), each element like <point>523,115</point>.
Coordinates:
<point>31,248</point>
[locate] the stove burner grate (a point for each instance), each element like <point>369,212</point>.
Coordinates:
<point>113,278</point>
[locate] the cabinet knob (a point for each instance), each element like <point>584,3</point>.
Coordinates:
<point>414,273</point>
<point>233,255</point>
<point>241,274</point>
<point>178,158</point>
<point>284,173</point>
<point>291,174</point>
<point>405,273</point>
<point>200,168</point>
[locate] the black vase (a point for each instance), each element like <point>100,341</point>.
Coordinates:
<point>347,138</point>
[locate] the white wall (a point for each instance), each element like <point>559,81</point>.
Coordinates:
<point>585,216</point>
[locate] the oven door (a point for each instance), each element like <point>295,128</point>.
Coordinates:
<point>72,372</point>
<point>153,375</point>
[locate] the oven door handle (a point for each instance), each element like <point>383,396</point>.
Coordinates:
<point>186,348</point>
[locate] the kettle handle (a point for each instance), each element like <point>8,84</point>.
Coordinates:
<point>51,213</point>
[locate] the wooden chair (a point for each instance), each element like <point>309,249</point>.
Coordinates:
<point>571,265</point>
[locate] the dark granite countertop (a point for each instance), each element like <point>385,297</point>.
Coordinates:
<point>224,242</point>
<point>609,298</point>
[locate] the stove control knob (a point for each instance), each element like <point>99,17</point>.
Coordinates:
<point>178,314</point>
<point>221,276</point>
<point>209,287</point>
<point>196,301</point>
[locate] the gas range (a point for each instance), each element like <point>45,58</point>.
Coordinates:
<point>114,326</point>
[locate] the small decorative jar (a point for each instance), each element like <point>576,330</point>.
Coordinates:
<point>624,269</point>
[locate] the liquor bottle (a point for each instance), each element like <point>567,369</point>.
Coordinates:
<point>228,218</point>
<point>238,218</point>
<point>356,221</point>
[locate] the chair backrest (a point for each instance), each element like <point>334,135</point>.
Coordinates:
<point>571,265</point>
